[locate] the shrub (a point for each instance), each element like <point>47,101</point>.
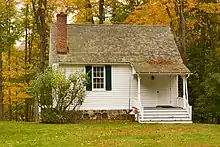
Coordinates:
<point>55,94</point>
<point>52,116</point>
<point>207,108</point>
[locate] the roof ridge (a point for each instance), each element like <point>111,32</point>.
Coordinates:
<point>121,25</point>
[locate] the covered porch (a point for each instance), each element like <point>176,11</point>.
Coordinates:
<point>159,98</point>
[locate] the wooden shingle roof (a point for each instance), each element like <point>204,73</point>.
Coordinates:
<point>140,45</point>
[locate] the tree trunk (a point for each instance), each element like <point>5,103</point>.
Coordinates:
<point>9,88</point>
<point>40,17</point>
<point>203,50</point>
<point>1,87</point>
<point>42,51</point>
<point>16,108</point>
<point>89,16</point>
<point>101,12</point>
<point>40,9</point>
<point>25,60</point>
<point>9,63</point>
<point>182,32</point>
<point>172,26</point>
<point>30,41</point>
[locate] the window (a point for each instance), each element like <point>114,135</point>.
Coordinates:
<point>98,77</point>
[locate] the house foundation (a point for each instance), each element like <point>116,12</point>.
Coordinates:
<point>106,115</point>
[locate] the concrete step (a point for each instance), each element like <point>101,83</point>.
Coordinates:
<point>165,113</point>
<point>165,119</point>
<point>164,116</point>
<point>154,111</point>
<point>168,122</point>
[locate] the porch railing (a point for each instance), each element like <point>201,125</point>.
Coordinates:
<point>183,103</point>
<point>188,108</point>
<point>137,105</point>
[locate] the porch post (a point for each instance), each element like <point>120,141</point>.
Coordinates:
<point>139,88</point>
<point>139,95</point>
<point>187,96</point>
<point>184,91</point>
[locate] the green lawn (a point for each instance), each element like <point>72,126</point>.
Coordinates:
<point>108,134</point>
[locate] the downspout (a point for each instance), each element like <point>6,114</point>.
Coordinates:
<point>139,94</point>
<point>187,88</point>
<point>139,88</point>
<point>130,84</point>
<point>184,91</point>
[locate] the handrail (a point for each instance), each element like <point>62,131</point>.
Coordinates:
<point>187,106</point>
<point>137,104</point>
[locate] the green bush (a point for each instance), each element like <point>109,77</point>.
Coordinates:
<point>51,116</point>
<point>207,108</point>
<point>55,93</point>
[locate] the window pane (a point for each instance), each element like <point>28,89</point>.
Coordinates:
<point>102,80</point>
<point>98,74</point>
<point>94,80</point>
<point>98,80</point>
<point>102,74</point>
<point>94,73</point>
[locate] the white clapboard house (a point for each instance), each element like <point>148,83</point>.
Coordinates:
<point>130,66</point>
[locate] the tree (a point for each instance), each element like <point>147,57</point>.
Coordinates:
<point>204,60</point>
<point>208,103</point>
<point>118,11</point>
<point>55,93</point>
<point>85,11</point>
<point>89,15</point>
<point>2,42</point>
<point>40,13</point>
<point>9,29</point>
<point>104,11</point>
<point>101,12</point>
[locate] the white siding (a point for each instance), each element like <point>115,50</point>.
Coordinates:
<point>120,95</point>
<point>164,84</point>
<point>124,89</point>
<point>148,91</point>
<point>174,90</point>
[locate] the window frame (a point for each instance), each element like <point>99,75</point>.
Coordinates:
<point>104,78</point>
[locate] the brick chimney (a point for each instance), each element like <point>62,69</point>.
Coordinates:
<point>61,40</point>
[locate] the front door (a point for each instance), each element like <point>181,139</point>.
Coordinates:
<point>163,97</point>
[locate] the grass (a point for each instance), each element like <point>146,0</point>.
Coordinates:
<point>108,134</point>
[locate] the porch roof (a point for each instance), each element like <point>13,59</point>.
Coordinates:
<point>161,66</point>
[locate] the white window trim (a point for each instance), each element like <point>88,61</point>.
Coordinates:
<point>98,89</point>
